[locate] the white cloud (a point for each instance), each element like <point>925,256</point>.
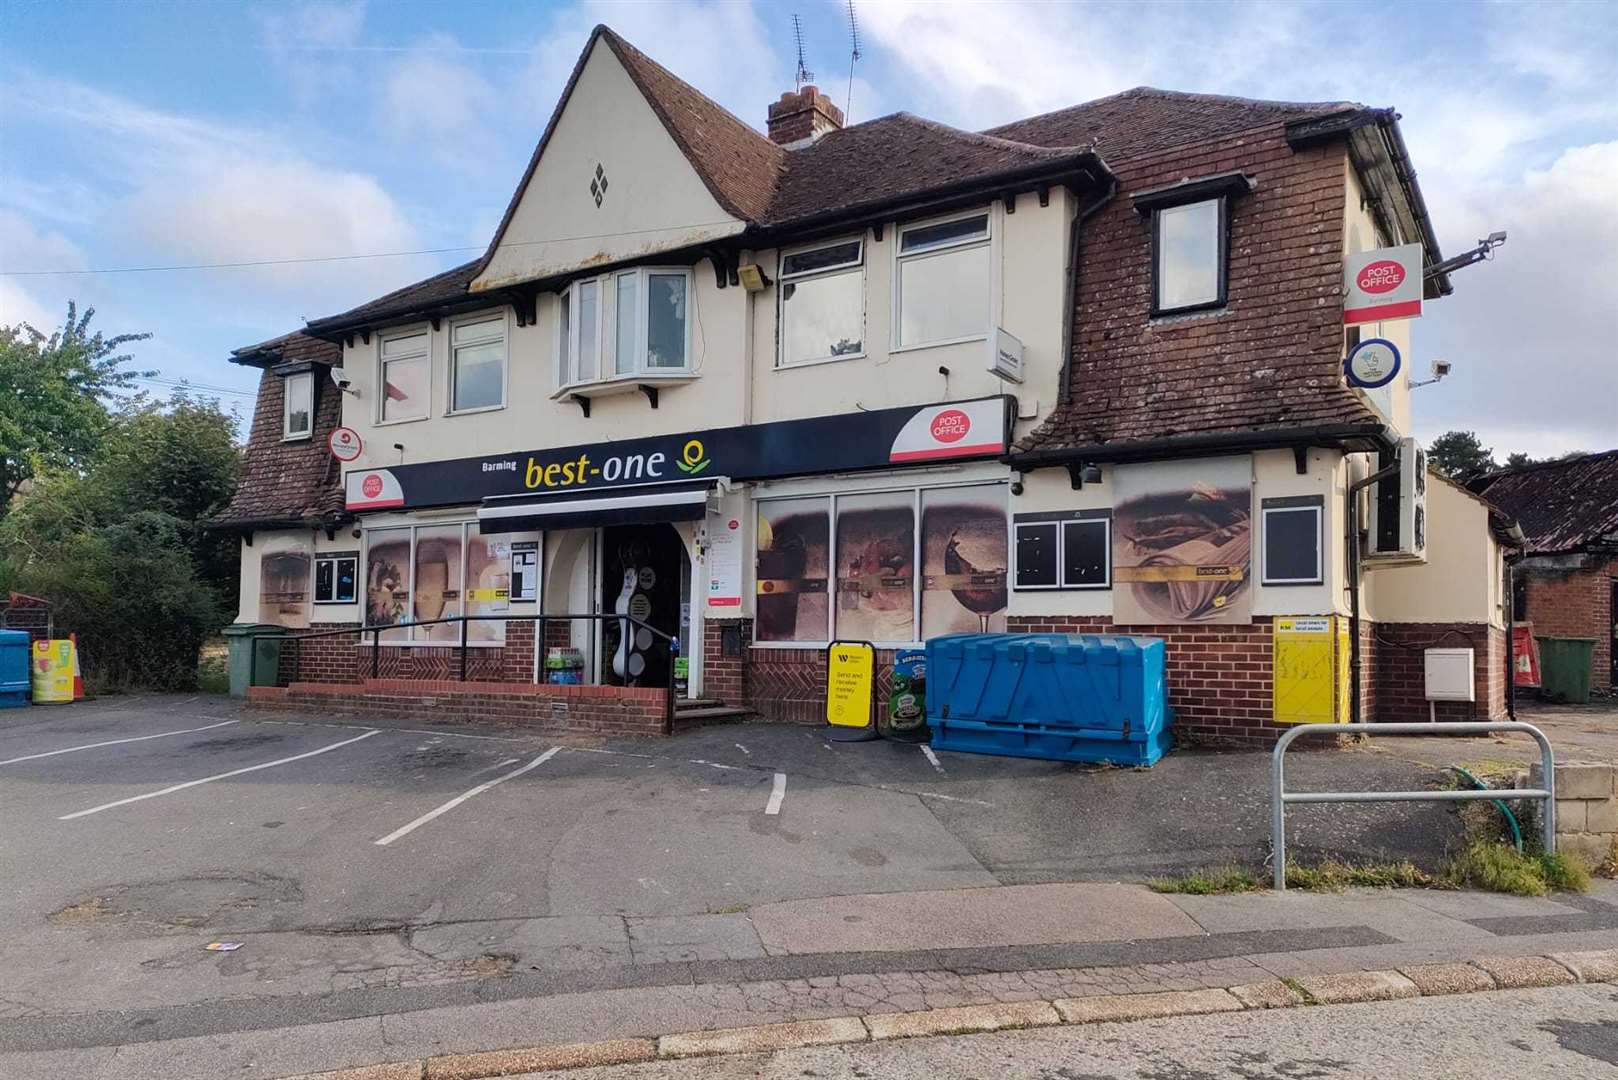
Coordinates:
<point>25,247</point>
<point>301,37</point>
<point>431,100</point>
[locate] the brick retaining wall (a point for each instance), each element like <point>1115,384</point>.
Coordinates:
<point>1399,672</point>
<point>344,658</point>
<point>590,710</point>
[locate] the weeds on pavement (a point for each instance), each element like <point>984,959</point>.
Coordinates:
<point>1224,879</point>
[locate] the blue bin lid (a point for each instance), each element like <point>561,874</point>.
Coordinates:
<point>14,637</point>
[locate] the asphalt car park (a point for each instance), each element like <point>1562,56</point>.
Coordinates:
<point>347,853</point>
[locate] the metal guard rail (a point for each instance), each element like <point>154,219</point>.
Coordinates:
<point>1280,797</point>
<point>377,630</point>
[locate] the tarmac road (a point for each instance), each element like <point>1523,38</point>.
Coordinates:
<point>1570,1033</point>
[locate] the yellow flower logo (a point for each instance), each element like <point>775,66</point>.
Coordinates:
<point>693,457</point>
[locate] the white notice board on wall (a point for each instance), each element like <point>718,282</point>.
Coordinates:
<point>724,560</point>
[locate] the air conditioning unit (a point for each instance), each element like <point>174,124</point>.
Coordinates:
<point>1398,518</point>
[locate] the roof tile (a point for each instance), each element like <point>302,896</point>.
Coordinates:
<point>1562,506</point>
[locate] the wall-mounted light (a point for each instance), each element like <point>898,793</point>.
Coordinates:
<point>1090,473</point>
<point>752,277</point>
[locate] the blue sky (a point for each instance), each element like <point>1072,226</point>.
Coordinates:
<point>158,134</point>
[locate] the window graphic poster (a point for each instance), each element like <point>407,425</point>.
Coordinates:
<point>1182,542</point>
<point>283,589</point>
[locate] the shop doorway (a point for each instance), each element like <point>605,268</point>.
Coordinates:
<point>646,573</point>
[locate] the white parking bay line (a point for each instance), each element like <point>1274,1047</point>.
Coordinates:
<point>114,742</point>
<point>405,830</point>
<point>221,776</point>
<point>927,752</point>
<point>777,793</point>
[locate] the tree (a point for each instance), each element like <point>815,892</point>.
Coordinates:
<point>55,394</point>
<point>1460,455</point>
<point>118,543</point>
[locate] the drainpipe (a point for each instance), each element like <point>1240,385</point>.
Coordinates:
<point>1353,517</point>
<point>1510,586</point>
<point>1071,308</point>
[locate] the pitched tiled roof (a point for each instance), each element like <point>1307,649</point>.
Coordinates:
<point>287,483</point>
<point>1146,120</point>
<point>1562,506</point>
<point>887,159</point>
<point>443,288</point>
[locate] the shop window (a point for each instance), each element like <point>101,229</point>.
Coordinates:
<point>945,277</point>
<point>794,560</point>
<point>629,325</point>
<point>298,405</point>
<point>876,566</point>
<point>406,375</point>
<point>877,594</point>
<point>478,365</point>
<point>1063,550</point>
<point>963,560</point>
<point>822,303</point>
<point>1188,256</point>
<point>1292,540</point>
<point>336,579</point>
<point>420,573</point>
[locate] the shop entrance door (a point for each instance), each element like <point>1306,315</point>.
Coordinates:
<point>645,573</point>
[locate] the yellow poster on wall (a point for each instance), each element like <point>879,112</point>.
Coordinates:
<point>850,683</point>
<point>1310,670</point>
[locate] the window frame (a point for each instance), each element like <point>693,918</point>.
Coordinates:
<point>1222,226</point>
<point>469,529</point>
<point>606,352</point>
<point>287,434</point>
<point>1062,519</point>
<point>916,490</point>
<point>989,240</point>
<point>1293,505</point>
<point>501,316</point>
<point>334,557</point>
<point>860,265</point>
<point>425,331</point>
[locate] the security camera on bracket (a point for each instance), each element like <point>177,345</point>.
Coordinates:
<point>1439,369</point>
<point>344,383</point>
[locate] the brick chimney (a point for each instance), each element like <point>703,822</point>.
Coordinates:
<point>799,119</point>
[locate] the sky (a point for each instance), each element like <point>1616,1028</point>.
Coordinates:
<point>160,134</point>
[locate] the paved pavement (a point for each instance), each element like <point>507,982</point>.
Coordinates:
<point>1570,1033</point>
<point>439,889</point>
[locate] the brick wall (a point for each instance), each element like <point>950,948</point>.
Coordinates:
<point>790,684</point>
<point>590,710</point>
<point>1398,669</point>
<point>1280,333</point>
<point>343,658</point>
<point>725,677</point>
<point>1576,603</point>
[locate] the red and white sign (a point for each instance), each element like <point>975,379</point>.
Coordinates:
<point>372,489</point>
<point>971,428</point>
<point>345,444</point>
<point>1382,284</point>
<point>725,564</point>
<point>1525,654</point>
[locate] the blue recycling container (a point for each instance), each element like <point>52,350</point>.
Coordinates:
<point>14,677</point>
<point>1064,697</point>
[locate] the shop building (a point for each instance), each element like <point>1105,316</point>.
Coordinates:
<point>882,382</point>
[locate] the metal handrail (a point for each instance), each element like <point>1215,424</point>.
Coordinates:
<point>1279,796</point>
<point>376,630</point>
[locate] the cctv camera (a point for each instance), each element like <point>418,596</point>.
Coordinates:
<point>1016,487</point>
<point>340,377</point>
<point>1441,368</point>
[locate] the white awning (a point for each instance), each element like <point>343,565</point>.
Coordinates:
<point>624,506</point>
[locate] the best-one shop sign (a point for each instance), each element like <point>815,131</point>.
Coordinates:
<point>846,442</point>
<point>1382,284</point>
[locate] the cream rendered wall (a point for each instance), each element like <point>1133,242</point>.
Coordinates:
<point>1030,258</point>
<point>655,201</point>
<point>308,540</point>
<point>533,418</point>
<point>1360,234</point>
<point>1050,490</point>
<point>1462,578</point>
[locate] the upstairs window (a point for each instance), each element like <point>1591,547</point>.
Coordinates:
<point>630,325</point>
<point>478,364</point>
<point>406,373</point>
<point>1190,256</point>
<point>945,277</point>
<point>298,405</point>
<point>823,303</point>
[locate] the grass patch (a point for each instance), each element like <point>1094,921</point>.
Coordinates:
<point>1301,990</point>
<point>213,669</point>
<point>1223,879</point>
<point>1333,875</point>
<point>1499,868</point>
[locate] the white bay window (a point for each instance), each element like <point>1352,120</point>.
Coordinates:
<point>628,326</point>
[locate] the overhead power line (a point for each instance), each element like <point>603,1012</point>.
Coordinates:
<point>205,388</point>
<point>250,263</point>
